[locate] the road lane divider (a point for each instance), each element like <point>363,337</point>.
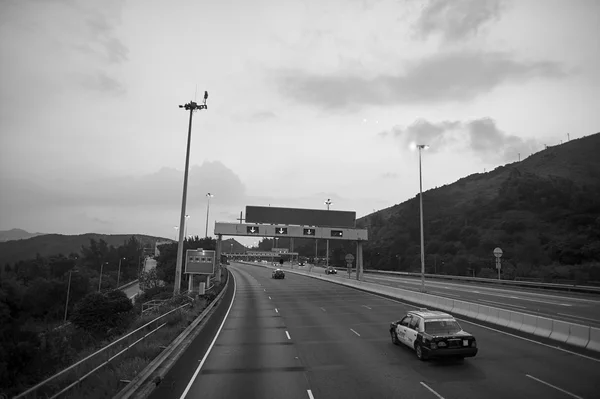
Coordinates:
<point>594,343</point>
<point>287,334</point>
<point>355,332</point>
<point>554,386</point>
<point>578,335</point>
<point>483,313</point>
<point>516,320</point>
<point>560,331</point>
<point>544,327</point>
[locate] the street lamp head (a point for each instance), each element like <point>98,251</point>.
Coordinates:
<point>209,195</point>
<point>423,146</point>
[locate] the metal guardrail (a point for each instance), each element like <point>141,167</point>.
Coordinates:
<point>531,284</point>
<point>33,389</point>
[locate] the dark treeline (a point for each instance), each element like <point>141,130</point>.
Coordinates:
<point>33,296</point>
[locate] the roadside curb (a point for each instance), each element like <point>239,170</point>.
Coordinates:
<point>142,385</point>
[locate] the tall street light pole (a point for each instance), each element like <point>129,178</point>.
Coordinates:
<point>328,202</point>
<point>186,218</point>
<point>191,106</point>
<point>422,147</point>
<point>209,196</point>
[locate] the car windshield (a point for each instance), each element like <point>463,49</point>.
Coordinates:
<point>435,327</point>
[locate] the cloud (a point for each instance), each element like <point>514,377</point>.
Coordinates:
<point>482,136</point>
<point>160,190</point>
<point>258,116</point>
<point>101,82</point>
<point>456,20</point>
<point>441,78</point>
<point>389,175</point>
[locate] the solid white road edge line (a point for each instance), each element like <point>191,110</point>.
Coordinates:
<point>276,311</point>
<point>189,385</point>
<point>555,387</point>
<point>493,329</point>
<point>310,395</point>
<point>365,306</point>
<point>432,391</point>
<point>355,332</point>
<point>288,335</point>
<point>323,309</point>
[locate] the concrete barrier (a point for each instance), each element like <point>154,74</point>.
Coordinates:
<point>473,310</point>
<point>446,304</point>
<point>484,313</point>
<point>560,331</point>
<point>493,315</point>
<point>461,307</point>
<point>516,320</point>
<point>594,343</point>
<point>578,335</point>
<point>544,327</point>
<point>503,317</point>
<point>529,323</point>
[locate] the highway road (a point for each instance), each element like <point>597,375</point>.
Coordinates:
<point>575,308</point>
<point>306,338</point>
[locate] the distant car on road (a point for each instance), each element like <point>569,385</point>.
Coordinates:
<point>278,274</point>
<point>330,270</point>
<point>433,334</point>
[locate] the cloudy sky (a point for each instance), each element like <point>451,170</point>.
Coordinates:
<point>308,100</point>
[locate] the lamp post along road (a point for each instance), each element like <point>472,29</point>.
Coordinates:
<point>328,202</point>
<point>186,218</point>
<point>421,147</point>
<point>209,195</point>
<point>191,106</point>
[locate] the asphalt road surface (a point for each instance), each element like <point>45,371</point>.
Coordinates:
<point>574,308</point>
<point>305,338</point>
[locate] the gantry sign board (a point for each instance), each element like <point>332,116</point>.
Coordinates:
<point>262,230</point>
<point>199,261</point>
<point>302,217</point>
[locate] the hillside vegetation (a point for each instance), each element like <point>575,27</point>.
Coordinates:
<point>53,244</point>
<point>543,212</point>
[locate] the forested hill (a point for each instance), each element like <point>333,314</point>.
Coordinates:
<point>54,244</point>
<point>544,212</point>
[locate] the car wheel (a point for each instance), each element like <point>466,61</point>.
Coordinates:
<point>395,339</point>
<point>419,352</point>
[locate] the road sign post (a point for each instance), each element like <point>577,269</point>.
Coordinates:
<point>498,254</point>
<point>349,260</point>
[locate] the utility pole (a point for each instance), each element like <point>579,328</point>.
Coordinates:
<point>328,202</point>
<point>421,147</point>
<point>191,106</point>
<point>209,195</point>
